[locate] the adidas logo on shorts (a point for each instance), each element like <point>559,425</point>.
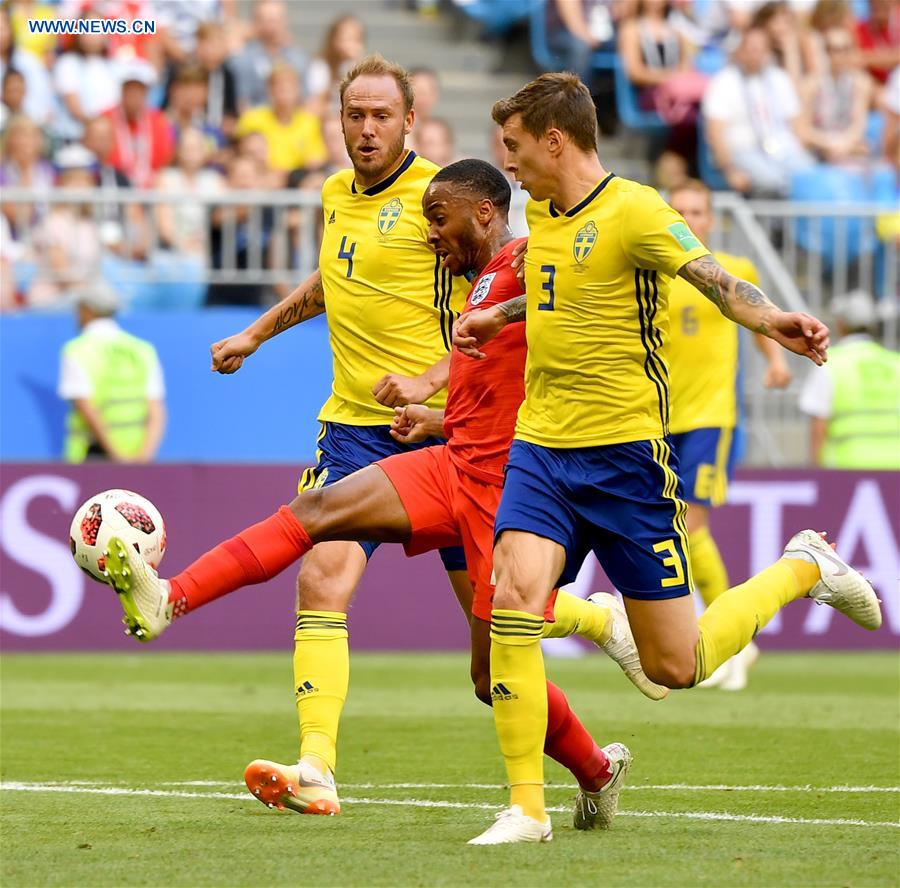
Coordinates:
<point>501,692</point>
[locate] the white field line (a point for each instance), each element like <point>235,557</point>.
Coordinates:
<point>657,787</point>
<point>425,803</point>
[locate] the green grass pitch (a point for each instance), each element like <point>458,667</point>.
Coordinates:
<point>126,770</point>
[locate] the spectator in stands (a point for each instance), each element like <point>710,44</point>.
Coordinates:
<point>41,44</point>
<point>86,81</point>
<point>273,46</point>
<point>221,98</point>
<point>256,147</point>
<point>182,226</point>
<point>657,60</point>
<point>239,239</point>
<point>39,103</point>
<point>179,21</point>
<point>188,94</point>
<point>23,166</point>
<point>879,38</point>
<point>10,253</point>
<point>114,383</point>
<point>853,399</point>
<point>578,28</point>
<point>834,106</point>
<point>435,141</point>
<point>123,228</point>
<point>777,19</point>
<point>67,241</point>
<point>751,111</point>
<point>142,135</point>
<point>130,45</point>
<point>890,104</point>
<point>337,159</point>
<point>826,14</point>
<point>12,96</point>
<point>344,45</point>
<point>426,92</point>
<point>294,134</point>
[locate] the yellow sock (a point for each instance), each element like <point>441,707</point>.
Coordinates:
<point>710,576</point>
<point>519,697</point>
<point>575,616</point>
<point>321,679</point>
<point>731,622</point>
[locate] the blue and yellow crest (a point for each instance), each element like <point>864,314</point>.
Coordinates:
<point>389,214</point>
<point>584,242</point>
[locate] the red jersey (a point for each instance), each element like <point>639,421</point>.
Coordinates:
<point>483,396</point>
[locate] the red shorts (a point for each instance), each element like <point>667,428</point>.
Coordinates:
<point>447,507</point>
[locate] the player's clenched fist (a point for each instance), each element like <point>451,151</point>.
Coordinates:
<point>228,354</point>
<point>394,390</point>
<point>416,422</point>
<point>475,328</point>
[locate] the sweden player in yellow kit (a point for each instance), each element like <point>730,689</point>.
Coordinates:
<point>390,307</point>
<point>703,401</point>
<point>591,466</point>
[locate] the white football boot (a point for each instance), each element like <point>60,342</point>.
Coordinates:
<point>597,810</point>
<point>301,787</point>
<point>621,647</point>
<point>512,826</point>
<point>840,586</point>
<point>143,595</point>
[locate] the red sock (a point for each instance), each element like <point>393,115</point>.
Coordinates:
<point>569,743</point>
<point>253,556</point>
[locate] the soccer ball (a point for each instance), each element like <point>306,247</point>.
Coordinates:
<point>116,513</point>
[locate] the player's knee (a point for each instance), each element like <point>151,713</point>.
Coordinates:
<point>319,589</point>
<point>482,682</point>
<point>311,511</point>
<point>670,672</point>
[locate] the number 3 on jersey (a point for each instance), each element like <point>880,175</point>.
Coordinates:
<point>344,253</point>
<point>550,271</point>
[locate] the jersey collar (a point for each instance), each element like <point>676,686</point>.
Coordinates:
<point>582,204</point>
<point>378,187</point>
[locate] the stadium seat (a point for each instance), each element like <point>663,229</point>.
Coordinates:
<point>832,236</point>
<point>709,172</point>
<point>630,112</point>
<point>495,16</point>
<point>544,57</point>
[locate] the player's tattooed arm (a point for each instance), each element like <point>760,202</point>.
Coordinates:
<point>513,309</point>
<point>307,301</point>
<point>735,298</point>
<point>746,304</point>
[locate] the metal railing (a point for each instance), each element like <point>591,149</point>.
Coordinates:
<point>807,255</point>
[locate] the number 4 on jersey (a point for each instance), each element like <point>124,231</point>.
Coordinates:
<point>344,253</point>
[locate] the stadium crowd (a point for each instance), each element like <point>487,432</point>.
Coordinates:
<point>754,96</point>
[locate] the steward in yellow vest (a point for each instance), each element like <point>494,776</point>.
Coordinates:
<point>114,383</point>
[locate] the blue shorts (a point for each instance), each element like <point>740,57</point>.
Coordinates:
<point>621,501</point>
<point>706,458</point>
<point>343,449</point>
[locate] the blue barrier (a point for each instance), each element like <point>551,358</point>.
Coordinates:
<point>265,412</point>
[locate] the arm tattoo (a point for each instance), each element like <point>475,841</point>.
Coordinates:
<point>513,309</point>
<point>310,304</point>
<point>736,299</point>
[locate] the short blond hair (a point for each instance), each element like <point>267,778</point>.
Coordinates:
<point>375,66</point>
<point>696,186</point>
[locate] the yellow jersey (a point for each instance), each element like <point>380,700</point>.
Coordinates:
<point>390,306</point>
<point>597,279</point>
<point>294,145</point>
<point>703,354</point>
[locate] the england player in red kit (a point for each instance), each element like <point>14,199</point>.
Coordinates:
<point>425,499</point>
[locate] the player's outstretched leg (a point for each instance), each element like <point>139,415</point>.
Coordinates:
<point>299,787</point>
<point>809,568</point>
